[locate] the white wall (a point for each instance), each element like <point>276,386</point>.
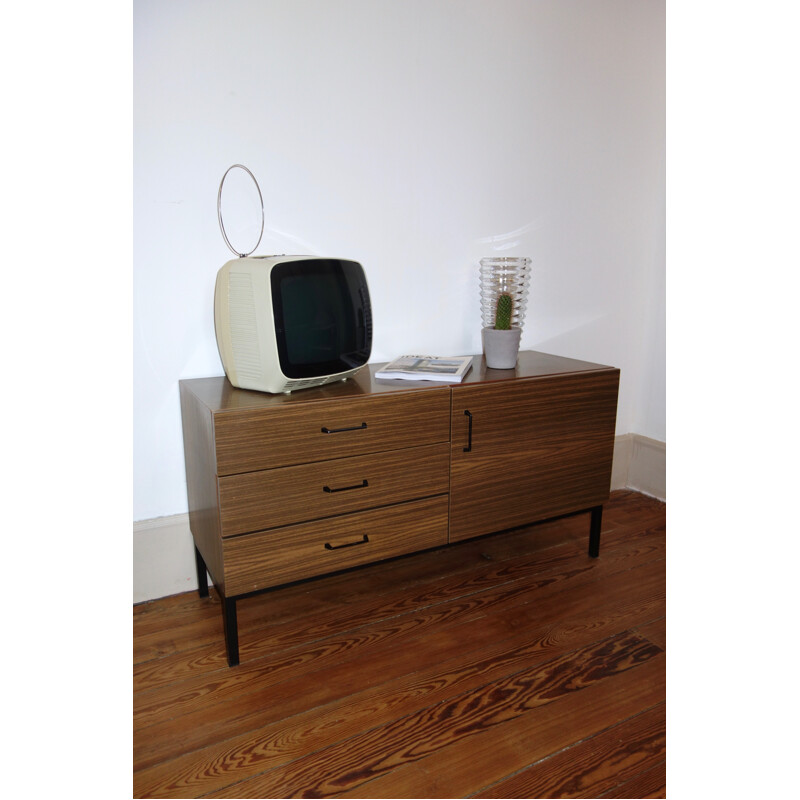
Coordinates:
<point>415,136</point>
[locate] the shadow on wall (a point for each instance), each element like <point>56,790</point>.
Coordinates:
<point>590,338</point>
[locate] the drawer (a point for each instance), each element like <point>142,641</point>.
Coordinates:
<point>247,440</point>
<point>270,558</point>
<point>271,498</point>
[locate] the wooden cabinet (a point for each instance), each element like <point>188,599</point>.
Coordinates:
<point>288,487</point>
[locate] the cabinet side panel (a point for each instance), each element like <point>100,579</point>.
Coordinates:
<point>539,448</point>
<point>201,482</point>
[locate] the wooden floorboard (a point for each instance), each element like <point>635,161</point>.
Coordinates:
<point>509,666</point>
<point>595,765</point>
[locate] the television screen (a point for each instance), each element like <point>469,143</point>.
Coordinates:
<point>322,316</point>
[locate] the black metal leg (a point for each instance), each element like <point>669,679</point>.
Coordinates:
<point>202,574</point>
<point>231,630</point>
<point>594,531</point>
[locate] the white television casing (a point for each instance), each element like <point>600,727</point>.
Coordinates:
<point>245,327</point>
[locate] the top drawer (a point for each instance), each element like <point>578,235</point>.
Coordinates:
<point>264,438</point>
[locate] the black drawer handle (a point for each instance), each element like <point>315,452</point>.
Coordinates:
<point>468,448</point>
<point>361,485</point>
<point>360,427</point>
<point>329,546</point>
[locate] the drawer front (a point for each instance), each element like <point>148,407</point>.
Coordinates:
<point>271,498</point>
<point>270,558</point>
<point>250,440</point>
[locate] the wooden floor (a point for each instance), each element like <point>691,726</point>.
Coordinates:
<point>508,666</point>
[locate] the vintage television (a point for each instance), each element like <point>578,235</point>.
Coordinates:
<point>291,322</point>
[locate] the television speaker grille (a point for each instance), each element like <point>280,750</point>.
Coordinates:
<point>244,328</point>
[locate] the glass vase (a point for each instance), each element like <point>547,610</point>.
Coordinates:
<point>499,276</point>
<point>508,275</point>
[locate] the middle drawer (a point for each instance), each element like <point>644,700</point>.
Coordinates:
<point>270,498</point>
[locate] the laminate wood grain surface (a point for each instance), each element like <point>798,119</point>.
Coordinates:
<point>201,481</point>
<point>530,449</point>
<point>317,431</point>
<point>270,498</point>
<point>269,558</point>
<point>511,665</point>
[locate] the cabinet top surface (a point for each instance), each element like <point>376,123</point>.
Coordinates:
<point>218,394</point>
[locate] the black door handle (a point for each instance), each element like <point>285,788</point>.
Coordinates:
<point>360,427</point>
<point>345,488</point>
<point>468,448</point>
<point>329,546</point>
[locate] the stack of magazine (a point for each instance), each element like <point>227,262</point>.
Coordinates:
<point>427,368</point>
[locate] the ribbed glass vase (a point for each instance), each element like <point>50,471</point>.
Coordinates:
<point>510,275</point>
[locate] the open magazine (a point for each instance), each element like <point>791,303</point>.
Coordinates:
<point>427,368</point>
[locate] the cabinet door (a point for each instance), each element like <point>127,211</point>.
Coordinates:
<point>528,449</point>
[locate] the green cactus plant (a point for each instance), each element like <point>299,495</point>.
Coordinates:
<point>503,312</point>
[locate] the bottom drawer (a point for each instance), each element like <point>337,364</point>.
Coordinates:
<point>269,558</point>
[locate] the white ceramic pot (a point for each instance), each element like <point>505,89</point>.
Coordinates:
<point>501,348</point>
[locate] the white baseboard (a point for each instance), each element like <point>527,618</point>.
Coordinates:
<point>163,552</point>
<point>163,558</point>
<point>640,464</point>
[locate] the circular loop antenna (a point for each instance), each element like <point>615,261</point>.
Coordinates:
<point>219,210</point>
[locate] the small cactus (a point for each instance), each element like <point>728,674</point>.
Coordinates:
<point>504,312</point>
